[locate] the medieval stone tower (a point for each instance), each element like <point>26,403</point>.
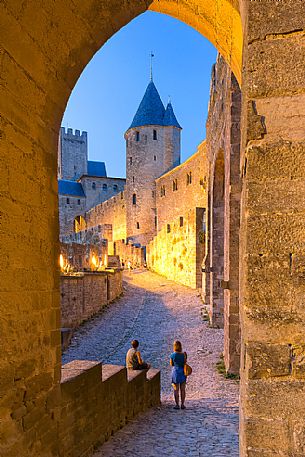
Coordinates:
<point>152,148</point>
<point>72,154</point>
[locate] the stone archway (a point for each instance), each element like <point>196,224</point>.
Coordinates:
<point>45,51</point>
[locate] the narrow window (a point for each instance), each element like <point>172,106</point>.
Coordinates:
<point>130,160</point>
<point>175,185</point>
<point>155,134</point>
<point>138,225</point>
<point>134,199</point>
<point>105,187</point>
<point>156,221</point>
<point>181,221</point>
<point>133,179</point>
<point>155,158</point>
<point>190,177</point>
<point>93,186</point>
<point>68,201</point>
<point>137,136</point>
<point>168,228</point>
<point>78,201</point>
<point>153,194</point>
<point>115,187</point>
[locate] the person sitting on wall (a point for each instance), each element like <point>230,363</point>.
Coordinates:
<point>133,358</point>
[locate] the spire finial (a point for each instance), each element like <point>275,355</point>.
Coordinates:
<point>151,66</point>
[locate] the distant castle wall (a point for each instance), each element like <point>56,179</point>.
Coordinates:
<point>99,189</point>
<point>112,212</point>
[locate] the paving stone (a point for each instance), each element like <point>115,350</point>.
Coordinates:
<point>156,312</point>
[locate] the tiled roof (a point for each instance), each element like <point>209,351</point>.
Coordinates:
<point>151,110</point>
<point>170,118</point>
<point>97,169</point>
<point>66,187</point>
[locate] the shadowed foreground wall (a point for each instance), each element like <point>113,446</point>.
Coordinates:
<point>99,399</point>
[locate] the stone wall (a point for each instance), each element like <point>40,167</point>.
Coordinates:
<point>128,251</point>
<point>99,190</point>
<point>84,256</point>
<point>190,193</point>
<point>98,400</point>
<point>85,294</point>
<point>221,277</point>
<point>178,249</point>
<point>70,207</point>
<point>112,212</point>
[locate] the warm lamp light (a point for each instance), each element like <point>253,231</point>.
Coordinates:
<point>94,261</point>
<point>61,261</point>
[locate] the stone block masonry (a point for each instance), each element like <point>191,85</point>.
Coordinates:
<point>98,400</point>
<point>178,249</point>
<point>85,294</point>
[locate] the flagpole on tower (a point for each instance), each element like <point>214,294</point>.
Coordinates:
<point>151,65</point>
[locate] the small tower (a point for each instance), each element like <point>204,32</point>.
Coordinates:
<point>72,154</point>
<point>152,148</point>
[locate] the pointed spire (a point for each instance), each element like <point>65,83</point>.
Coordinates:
<point>151,109</point>
<point>170,118</point>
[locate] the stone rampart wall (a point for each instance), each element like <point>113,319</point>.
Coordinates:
<point>112,212</point>
<point>177,251</point>
<point>130,252</point>
<point>98,400</point>
<point>84,295</point>
<point>80,256</point>
<point>221,277</point>
<point>191,179</point>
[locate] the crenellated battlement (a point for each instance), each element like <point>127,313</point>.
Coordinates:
<point>73,134</point>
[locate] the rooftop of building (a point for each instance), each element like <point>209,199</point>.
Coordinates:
<point>72,188</point>
<point>97,169</point>
<point>151,110</point>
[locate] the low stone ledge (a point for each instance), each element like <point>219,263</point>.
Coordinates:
<point>98,400</point>
<point>111,370</point>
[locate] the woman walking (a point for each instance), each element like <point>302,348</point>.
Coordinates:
<point>177,361</point>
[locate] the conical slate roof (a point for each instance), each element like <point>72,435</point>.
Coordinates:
<point>170,118</point>
<point>151,110</point>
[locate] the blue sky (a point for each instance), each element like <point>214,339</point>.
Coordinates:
<point>112,85</point>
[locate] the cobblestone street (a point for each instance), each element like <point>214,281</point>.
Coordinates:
<point>156,312</point>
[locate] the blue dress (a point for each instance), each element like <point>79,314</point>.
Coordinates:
<point>178,376</point>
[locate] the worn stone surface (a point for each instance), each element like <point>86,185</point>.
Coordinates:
<point>221,276</point>
<point>178,249</point>
<point>84,295</point>
<point>157,311</point>
<point>98,400</point>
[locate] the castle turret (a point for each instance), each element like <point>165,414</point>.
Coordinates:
<point>72,154</point>
<point>152,148</point>
<point>172,139</point>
